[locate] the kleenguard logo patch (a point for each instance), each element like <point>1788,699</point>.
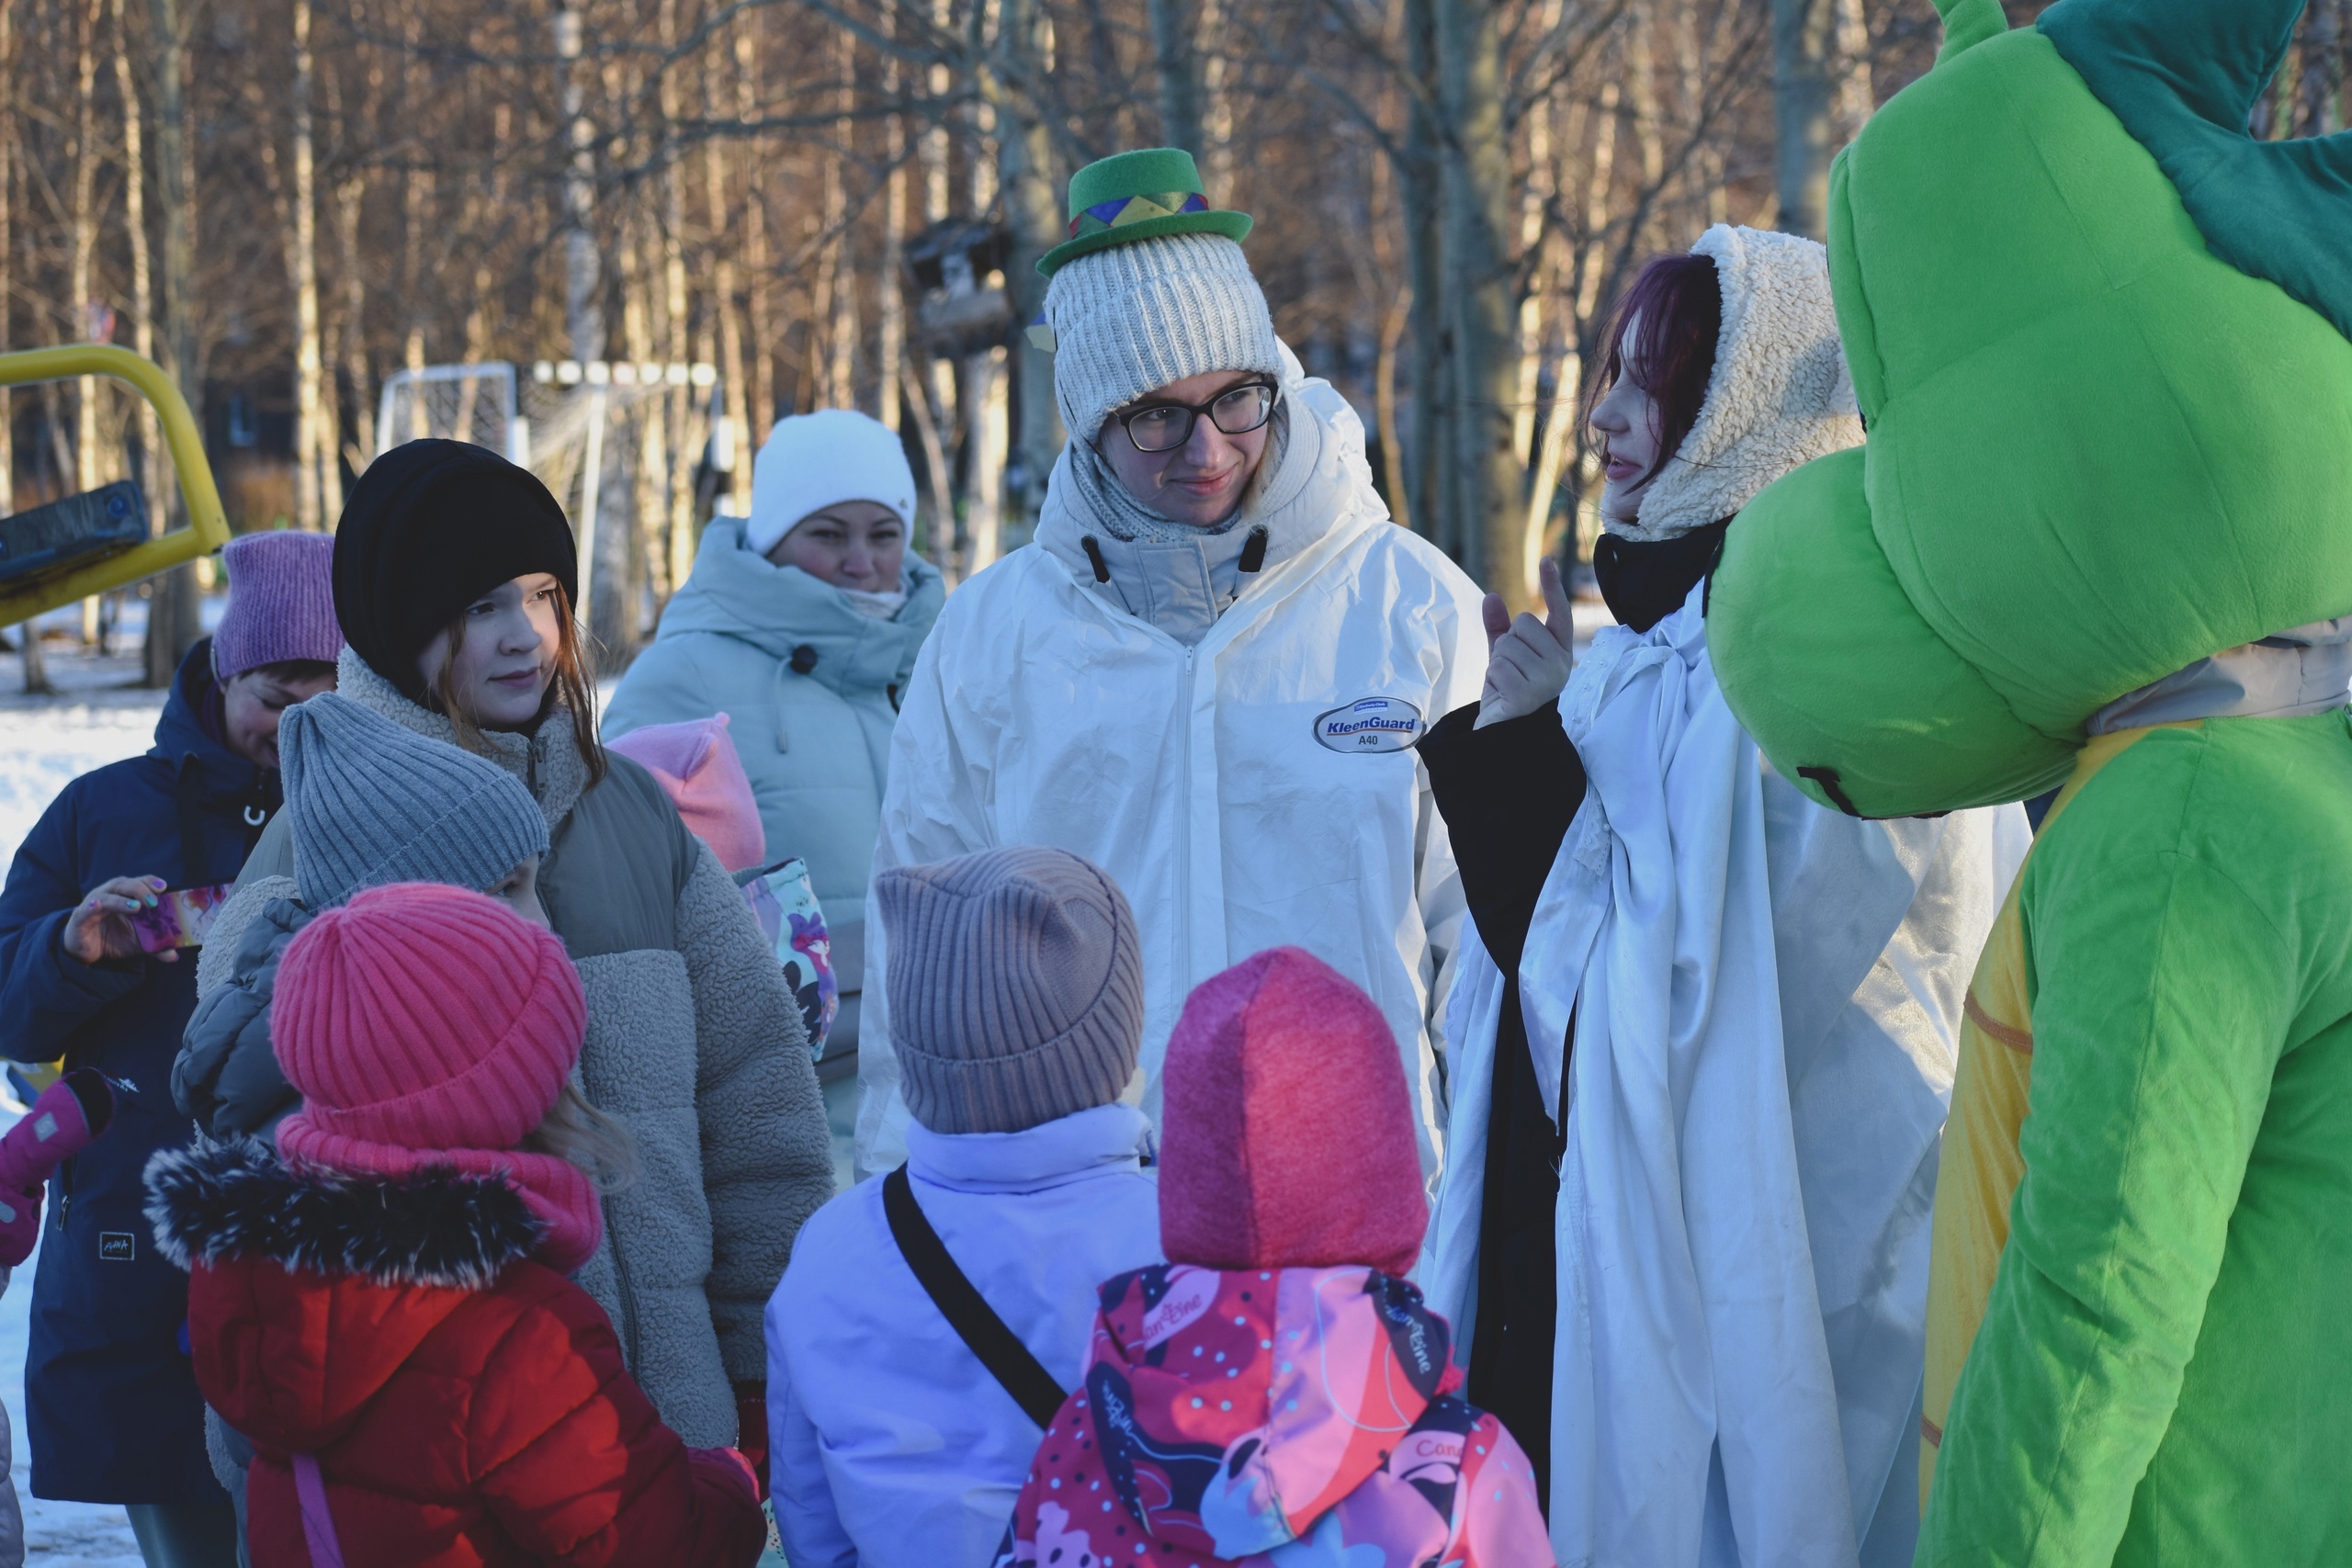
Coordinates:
<point>1372,725</point>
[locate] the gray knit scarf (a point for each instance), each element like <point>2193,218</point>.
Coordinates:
<point>1116,511</point>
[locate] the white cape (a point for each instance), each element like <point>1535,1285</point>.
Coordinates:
<point>1766,998</point>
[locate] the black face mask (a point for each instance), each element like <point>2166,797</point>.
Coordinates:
<point>1645,580</point>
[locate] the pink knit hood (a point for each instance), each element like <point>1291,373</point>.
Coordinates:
<point>1286,1138</point>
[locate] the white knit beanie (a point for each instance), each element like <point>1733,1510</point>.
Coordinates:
<point>815,460</point>
<point>1132,318</point>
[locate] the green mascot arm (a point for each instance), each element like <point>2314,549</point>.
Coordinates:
<point>2166,996</point>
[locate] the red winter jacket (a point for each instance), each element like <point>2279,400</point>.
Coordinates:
<point>467,1406</point>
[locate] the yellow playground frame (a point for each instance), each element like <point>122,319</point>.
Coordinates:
<point>207,525</point>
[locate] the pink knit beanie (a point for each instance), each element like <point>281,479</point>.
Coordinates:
<point>696,763</point>
<point>281,603</point>
<point>428,1025</point>
<point>1286,1135</point>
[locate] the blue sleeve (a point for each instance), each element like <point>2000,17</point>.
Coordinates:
<point>46,995</point>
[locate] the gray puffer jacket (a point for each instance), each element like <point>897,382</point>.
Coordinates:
<point>693,1041</point>
<point>227,1076</point>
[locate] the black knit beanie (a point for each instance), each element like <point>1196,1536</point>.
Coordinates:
<point>430,528</point>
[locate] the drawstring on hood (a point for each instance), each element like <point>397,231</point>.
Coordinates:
<point>1181,577</point>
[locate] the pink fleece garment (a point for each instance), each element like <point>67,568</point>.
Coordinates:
<point>695,761</point>
<point>1286,1133</point>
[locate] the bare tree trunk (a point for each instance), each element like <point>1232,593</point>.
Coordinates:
<point>890,346</point>
<point>1816,103</point>
<point>85,218</point>
<point>174,615</point>
<point>937,203</point>
<point>2319,107</point>
<point>677,557</point>
<point>1216,104</point>
<point>984,402</point>
<point>1600,170</point>
<point>1431,465</point>
<point>761,384</point>
<point>36,668</point>
<point>142,284</point>
<point>836,274</point>
<point>723,285</point>
<point>313,447</point>
<point>1032,217</point>
<point>1478,273</point>
<point>417,192</point>
<point>583,310</point>
<point>1176,56</point>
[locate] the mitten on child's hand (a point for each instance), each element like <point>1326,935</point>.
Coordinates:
<point>731,1462</point>
<point>752,1431</point>
<point>19,1225</point>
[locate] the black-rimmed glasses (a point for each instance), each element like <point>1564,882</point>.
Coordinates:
<point>1163,427</point>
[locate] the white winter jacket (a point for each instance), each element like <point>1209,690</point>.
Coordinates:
<point>889,1444</point>
<point>1246,792</point>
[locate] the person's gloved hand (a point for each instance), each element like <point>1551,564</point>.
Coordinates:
<point>1528,661</point>
<point>69,1113</point>
<point>19,1226</point>
<point>752,1431</point>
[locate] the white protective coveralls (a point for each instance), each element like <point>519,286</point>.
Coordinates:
<point>1767,1000</point>
<point>1042,712</point>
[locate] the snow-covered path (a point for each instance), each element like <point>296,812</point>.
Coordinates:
<point>44,743</point>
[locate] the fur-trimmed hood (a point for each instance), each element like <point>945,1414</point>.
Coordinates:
<point>1779,395</point>
<point>219,1203</point>
<point>315,1290</point>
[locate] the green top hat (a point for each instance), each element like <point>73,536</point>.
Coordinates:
<point>1138,195</point>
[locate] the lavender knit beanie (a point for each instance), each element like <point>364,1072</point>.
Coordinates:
<point>1015,985</point>
<point>281,603</point>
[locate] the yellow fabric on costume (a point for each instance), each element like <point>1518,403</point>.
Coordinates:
<point>1978,1171</point>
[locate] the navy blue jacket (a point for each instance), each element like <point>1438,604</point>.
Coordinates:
<point>112,1411</point>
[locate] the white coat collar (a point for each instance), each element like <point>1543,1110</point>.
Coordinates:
<point>1052,1154</point>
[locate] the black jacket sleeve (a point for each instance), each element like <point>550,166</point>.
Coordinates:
<point>1508,794</point>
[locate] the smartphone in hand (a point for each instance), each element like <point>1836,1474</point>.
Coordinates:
<point>180,918</point>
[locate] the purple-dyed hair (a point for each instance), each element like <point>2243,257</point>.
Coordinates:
<point>1675,309</point>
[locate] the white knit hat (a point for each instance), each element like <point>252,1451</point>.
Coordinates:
<point>1131,317</point>
<point>815,460</point>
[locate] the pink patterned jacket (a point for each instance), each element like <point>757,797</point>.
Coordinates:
<point>1272,1419</point>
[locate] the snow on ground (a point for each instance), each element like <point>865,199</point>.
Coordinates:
<point>44,743</point>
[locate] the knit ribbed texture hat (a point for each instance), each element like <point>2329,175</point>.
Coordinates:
<point>1132,318</point>
<point>815,460</point>
<point>1286,1135</point>
<point>427,1026</point>
<point>1016,988</point>
<point>373,802</point>
<point>281,603</point>
<point>697,765</point>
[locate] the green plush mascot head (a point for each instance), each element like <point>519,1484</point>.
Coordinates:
<point>2098,335</point>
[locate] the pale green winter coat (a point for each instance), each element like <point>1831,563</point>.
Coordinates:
<point>816,742</point>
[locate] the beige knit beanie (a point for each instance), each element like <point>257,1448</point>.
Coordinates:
<point>1134,317</point>
<point>1016,988</point>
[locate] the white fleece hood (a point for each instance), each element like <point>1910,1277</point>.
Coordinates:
<point>1779,395</point>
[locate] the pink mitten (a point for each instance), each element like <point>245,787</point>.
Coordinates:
<point>69,1113</point>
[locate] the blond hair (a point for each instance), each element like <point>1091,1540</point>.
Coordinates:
<point>595,1141</point>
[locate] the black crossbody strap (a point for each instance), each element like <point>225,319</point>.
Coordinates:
<point>967,1313</point>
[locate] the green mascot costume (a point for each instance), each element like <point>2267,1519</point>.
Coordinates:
<point>2102,535</point>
